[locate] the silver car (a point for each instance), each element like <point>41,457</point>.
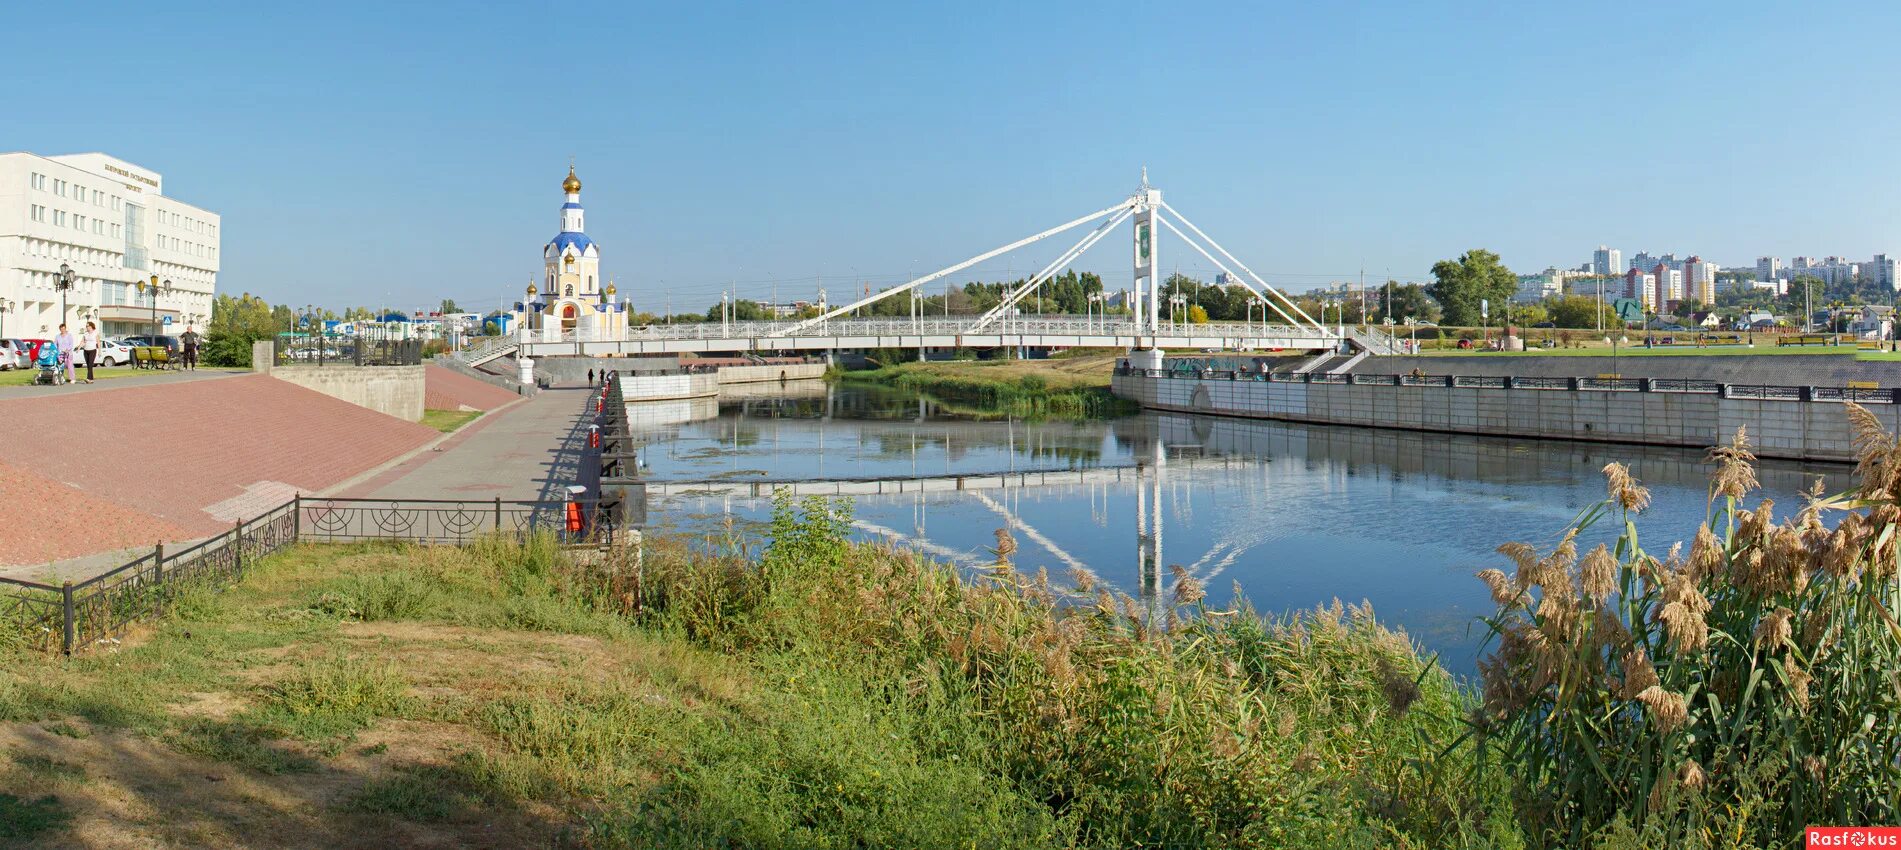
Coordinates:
<point>14,354</point>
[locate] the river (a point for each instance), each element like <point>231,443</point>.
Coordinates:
<point>1292,515</point>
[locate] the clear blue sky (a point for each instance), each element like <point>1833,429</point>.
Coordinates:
<point>404,152</point>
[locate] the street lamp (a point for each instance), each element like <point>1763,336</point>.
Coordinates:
<point>64,283</point>
<point>156,286</point>
<point>1175,303</point>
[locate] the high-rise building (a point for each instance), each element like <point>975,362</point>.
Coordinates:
<point>1640,285</point>
<point>1643,262</point>
<point>1768,268</point>
<point>1607,261</point>
<point>1699,281</point>
<point>111,224</point>
<point>1669,284</point>
<point>1885,271</point>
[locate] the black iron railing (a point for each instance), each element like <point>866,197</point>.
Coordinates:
<point>71,616</point>
<point>342,350</point>
<point>1863,395</point>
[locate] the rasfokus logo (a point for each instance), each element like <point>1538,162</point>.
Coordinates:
<point>1854,836</point>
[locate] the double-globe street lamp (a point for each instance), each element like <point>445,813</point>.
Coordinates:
<point>157,287</point>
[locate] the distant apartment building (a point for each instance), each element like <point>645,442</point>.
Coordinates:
<point>1533,288</point>
<point>1669,283</point>
<point>1699,280</point>
<point>1884,270</point>
<point>1607,261</point>
<point>1641,286</point>
<point>1643,262</point>
<point>1768,268</point>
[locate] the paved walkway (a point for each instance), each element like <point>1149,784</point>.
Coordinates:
<point>530,450</point>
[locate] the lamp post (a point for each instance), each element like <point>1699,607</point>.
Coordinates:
<point>1175,303</point>
<point>156,286</point>
<point>64,283</point>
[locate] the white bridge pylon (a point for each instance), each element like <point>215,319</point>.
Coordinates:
<point>1145,206</point>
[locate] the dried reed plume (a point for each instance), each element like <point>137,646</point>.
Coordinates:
<point>1624,489</point>
<point>1667,710</point>
<point>1735,475</point>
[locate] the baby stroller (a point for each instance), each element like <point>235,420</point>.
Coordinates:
<point>49,364</point>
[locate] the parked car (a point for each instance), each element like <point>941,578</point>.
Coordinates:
<point>112,353</point>
<point>1545,325</point>
<point>13,355</point>
<point>33,346</point>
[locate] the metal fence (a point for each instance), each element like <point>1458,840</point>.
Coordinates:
<point>71,616</point>
<point>341,350</point>
<point>1863,395</point>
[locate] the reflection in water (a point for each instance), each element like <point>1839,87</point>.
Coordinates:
<point>1293,515</point>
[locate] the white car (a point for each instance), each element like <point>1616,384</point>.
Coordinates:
<point>111,353</point>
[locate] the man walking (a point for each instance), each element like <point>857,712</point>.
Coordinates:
<point>65,344</point>
<point>89,348</point>
<point>190,342</point>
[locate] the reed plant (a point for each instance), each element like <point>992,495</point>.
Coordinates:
<point>1723,697</point>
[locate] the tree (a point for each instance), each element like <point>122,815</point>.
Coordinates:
<point>1806,293</point>
<point>236,323</point>
<point>448,306</point>
<point>1407,300</point>
<point>1460,285</point>
<point>1580,311</point>
<point>1197,315</point>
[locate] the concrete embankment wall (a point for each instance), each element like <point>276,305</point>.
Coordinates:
<point>1803,430</point>
<point>661,387</point>
<point>394,390</point>
<point>770,372</point>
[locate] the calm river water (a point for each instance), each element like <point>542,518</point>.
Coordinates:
<point>1294,515</point>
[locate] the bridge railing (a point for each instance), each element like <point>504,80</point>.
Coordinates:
<point>960,325</point>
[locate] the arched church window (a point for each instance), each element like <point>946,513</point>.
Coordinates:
<point>590,281</point>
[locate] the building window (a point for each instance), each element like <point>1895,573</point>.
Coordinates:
<point>59,218</point>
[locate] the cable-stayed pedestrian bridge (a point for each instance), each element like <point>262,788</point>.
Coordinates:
<point>940,333</point>
<point>1285,326</point>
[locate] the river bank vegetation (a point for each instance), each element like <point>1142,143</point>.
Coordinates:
<point>806,691</point>
<point>1065,387</point>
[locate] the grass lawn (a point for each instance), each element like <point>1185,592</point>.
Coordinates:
<point>449,420</point>
<point>23,377</point>
<point>1058,374</point>
<point>823,696</point>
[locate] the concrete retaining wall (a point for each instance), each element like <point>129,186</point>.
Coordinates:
<point>1803,430</point>
<point>662,387</point>
<point>394,390</point>
<point>784,372</point>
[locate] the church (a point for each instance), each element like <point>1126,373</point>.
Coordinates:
<point>570,303</point>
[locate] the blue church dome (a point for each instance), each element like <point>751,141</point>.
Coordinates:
<point>578,240</point>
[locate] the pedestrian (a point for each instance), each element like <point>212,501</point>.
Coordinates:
<point>190,342</point>
<point>590,377</point>
<point>64,343</point>
<point>89,348</point>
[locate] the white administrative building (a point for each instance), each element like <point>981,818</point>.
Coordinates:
<point>110,223</point>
